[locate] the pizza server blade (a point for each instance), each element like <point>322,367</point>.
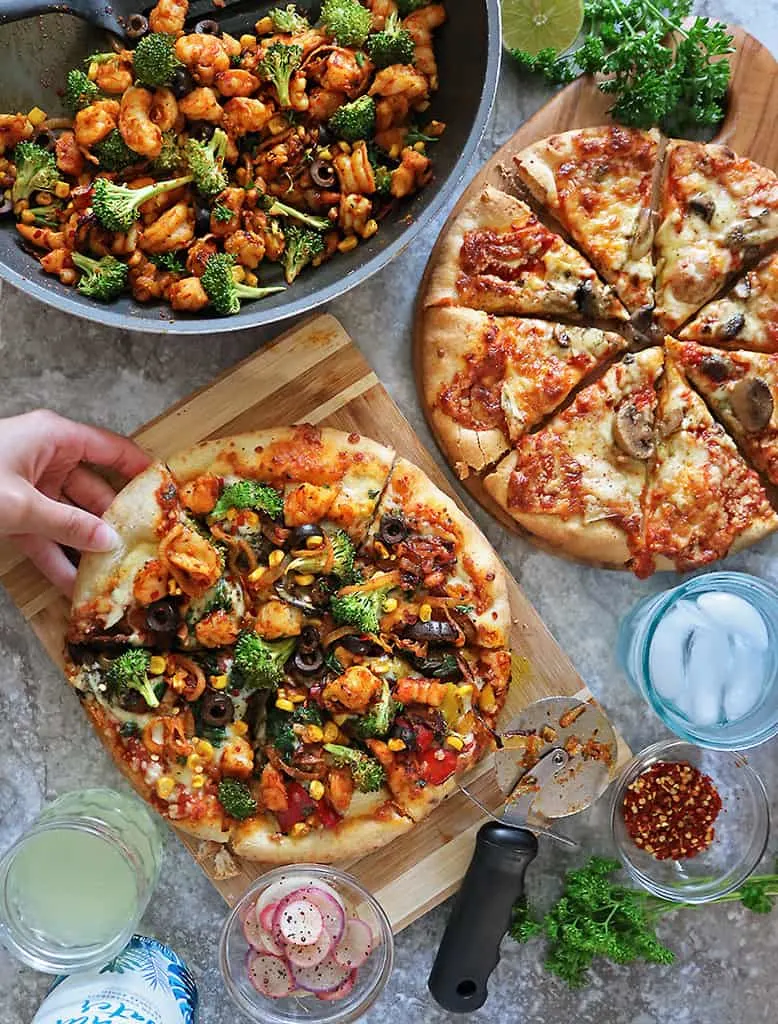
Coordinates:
<point>556,758</point>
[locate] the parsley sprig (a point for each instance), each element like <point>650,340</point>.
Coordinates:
<point>597,917</point>
<point>659,72</point>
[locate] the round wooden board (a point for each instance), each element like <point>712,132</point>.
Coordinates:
<point>750,128</point>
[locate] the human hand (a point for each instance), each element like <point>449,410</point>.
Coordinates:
<point>48,498</point>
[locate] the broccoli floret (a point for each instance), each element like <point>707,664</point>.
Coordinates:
<point>260,662</point>
<point>394,45</point>
<point>347,20</point>
<point>406,7</point>
<point>170,156</point>
<point>354,121</point>
<point>223,290</point>
<point>36,169</point>
<point>361,608</point>
<point>287,19</point>
<point>367,773</point>
<point>236,799</point>
<point>280,729</point>
<point>45,216</point>
<point>378,720</point>
<point>113,153</point>
<point>315,560</point>
<point>155,61</point>
<point>116,207</point>
<point>222,213</point>
<point>206,163</point>
<point>302,246</point>
<point>168,261</point>
<point>100,279</point>
<point>130,672</point>
<point>80,90</point>
<point>278,65</point>
<point>276,208</point>
<point>248,494</point>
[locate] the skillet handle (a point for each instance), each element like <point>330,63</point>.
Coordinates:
<point>470,948</point>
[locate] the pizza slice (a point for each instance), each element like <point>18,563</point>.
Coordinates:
<point>702,501</point>
<point>717,212</point>
<point>599,183</point>
<point>741,389</point>
<point>577,482</point>
<point>746,317</point>
<point>499,258</point>
<point>488,380</point>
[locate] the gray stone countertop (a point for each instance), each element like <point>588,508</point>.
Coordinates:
<point>726,957</point>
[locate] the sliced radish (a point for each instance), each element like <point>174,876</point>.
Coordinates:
<point>270,975</point>
<point>267,915</point>
<point>255,933</point>
<point>341,992</point>
<point>309,956</point>
<point>331,909</point>
<point>298,921</point>
<point>278,890</point>
<point>356,945</point>
<point>328,976</point>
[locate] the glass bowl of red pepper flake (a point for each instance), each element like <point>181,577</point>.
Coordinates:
<point>689,824</point>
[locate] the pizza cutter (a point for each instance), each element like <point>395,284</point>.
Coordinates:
<point>557,757</point>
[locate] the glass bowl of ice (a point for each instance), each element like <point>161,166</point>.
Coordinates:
<point>728,848</point>
<point>705,657</point>
<point>306,943</point>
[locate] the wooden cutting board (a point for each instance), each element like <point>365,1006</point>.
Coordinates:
<point>315,373</point>
<point>750,128</point>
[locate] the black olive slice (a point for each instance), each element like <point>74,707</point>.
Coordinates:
<point>162,616</point>
<point>216,708</point>
<point>137,26</point>
<point>434,631</point>
<point>393,530</point>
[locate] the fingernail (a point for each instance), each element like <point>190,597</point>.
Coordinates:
<point>105,538</point>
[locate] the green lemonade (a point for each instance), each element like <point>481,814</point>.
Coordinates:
<point>72,888</point>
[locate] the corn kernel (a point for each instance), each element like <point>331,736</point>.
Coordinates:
<point>314,542</point>
<point>302,828</point>
<point>313,734</point>
<point>325,154</point>
<point>330,732</point>
<point>396,745</point>
<point>28,217</point>
<point>340,719</point>
<point>173,588</point>
<point>204,749</point>
<point>370,228</point>
<point>276,558</point>
<point>258,573</point>
<point>194,763</point>
<point>419,147</point>
<point>37,116</point>
<point>348,244</point>
<point>316,789</point>
<point>304,579</point>
<point>465,690</point>
<point>284,705</point>
<point>455,742</point>
<point>486,699</point>
<point>157,665</point>
<point>219,682</point>
<point>198,782</point>
<point>425,612</point>
<point>264,26</point>
<point>394,150</point>
<point>297,698</point>
<point>381,551</point>
<point>165,786</point>
<point>240,728</point>
<point>62,190</point>
<point>248,42</point>
<point>390,604</point>
<point>380,668</point>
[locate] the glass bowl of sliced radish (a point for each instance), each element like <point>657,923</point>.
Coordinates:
<point>306,942</point>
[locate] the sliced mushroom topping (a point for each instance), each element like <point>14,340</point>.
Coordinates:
<point>585,300</point>
<point>643,234</point>
<point>716,366</point>
<point>633,431</point>
<point>647,329</point>
<point>733,326</point>
<point>752,403</point>
<point>704,206</point>
<point>743,288</point>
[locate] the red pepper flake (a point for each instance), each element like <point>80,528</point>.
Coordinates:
<point>669,810</point>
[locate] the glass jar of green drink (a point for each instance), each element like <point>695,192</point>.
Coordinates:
<point>74,887</point>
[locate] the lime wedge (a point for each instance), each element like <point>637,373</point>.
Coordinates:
<point>533,25</point>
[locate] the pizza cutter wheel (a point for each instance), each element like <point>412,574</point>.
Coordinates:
<point>558,756</point>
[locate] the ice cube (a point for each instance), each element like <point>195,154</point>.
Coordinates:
<point>737,615</point>
<point>665,656</point>
<point>708,667</point>
<point>743,690</point>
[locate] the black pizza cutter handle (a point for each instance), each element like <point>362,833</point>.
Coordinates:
<point>470,948</point>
